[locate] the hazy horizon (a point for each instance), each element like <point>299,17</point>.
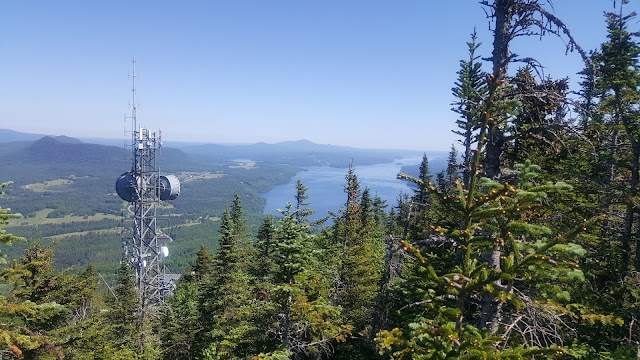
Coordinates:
<point>103,140</point>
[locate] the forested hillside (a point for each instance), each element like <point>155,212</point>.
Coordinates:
<point>64,188</point>
<point>525,247</point>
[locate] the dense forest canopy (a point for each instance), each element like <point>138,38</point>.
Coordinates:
<point>525,247</point>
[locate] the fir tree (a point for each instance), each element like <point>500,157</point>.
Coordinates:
<point>469,90</point>
<point>421,196</point>
<point>227,300</point>
<point>452,171</point>
<point>618,82</point>
<point>445,318</point>
<point>124,312</point>
<point>302,320</point>
<point>202,269</point>
<point>182,322</point>
<point>5,216</point>
<point>302,211</point>
<point>359,271</point>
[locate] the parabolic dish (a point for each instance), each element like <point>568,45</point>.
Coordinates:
<point>169,187</point>
<point>127,187</point>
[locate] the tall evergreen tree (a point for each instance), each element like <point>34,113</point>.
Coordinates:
<point>453,169</point>
<point>469,90</point>
<point>203,267</point>
<point>300,318</point>
<point>182,327</point>
<point>226,305</point>
<point>302,210</point>
<point>262,266</point>
<point>618,81</point>
<point>124,312</point>
<point>610,121</point>
<point>445,318</point>
<point>359,270</point>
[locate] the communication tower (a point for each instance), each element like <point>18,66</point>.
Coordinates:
<point>143,187</point>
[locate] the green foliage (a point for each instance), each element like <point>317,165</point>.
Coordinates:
<point>5,215</point>
<point>226,298</point>
<point>501,255</point>
<point>124,318</point>
<point>300,316</point>
<point>509,263</point>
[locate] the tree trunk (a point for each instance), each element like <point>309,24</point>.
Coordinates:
<point>631,210</point>
<point>495,147</point>
<point>492,307</point>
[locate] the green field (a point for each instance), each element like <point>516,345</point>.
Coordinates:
<point>189,176</point>
<point>41,218</point>
<point>244,165</point>
<point>49,185</point>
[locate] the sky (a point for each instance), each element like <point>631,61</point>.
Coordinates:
<point>361,73</point>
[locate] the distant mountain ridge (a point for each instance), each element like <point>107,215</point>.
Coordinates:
<point>7,135</point>
<point>297,153</point>
<point>64,149</point>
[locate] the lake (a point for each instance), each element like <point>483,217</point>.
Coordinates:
<point>325,186</point>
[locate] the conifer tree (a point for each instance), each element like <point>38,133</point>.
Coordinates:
<point>203,266</point>
<point>5,216</point>
<point>265,251</point>
<point>181,321</point>
<point>610,121</point>
<point>453,169</point>
<point>115,332</point>
<point>359,267</point>
<point>30,314</point>
<point>423,202</point>
<point>124,312</point>
<point>512,19</point>
<point>446,320</point>
<point>420,193</point>
<point>618,81</point>
<point>302,320</point>
<point>302,211</point>
<point>469,90</point>
<point>182,325</point>
<point>227,300</point>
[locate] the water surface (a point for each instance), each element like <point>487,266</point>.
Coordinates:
<point>326,186</point>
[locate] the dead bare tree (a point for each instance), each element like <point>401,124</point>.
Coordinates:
<point>512,19</point>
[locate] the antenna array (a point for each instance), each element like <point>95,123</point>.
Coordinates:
<point>144,188</point>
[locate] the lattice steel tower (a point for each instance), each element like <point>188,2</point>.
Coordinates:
<point>143,187</point>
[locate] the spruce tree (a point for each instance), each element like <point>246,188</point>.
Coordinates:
<point>124,312</point>
<point>227,300</point>
<point>453,168</point>
<point>618,81</point>
<point>445,319</point>
<point>302,210</point>
<point>31,316</point>
<point>301,318</point>
<point>359,268</point>
<point>469,90</point>
<point>182,329</point>
<point>610,122</point>
<point>5,216</point>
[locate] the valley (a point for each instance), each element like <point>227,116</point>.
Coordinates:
<point>64,189</point>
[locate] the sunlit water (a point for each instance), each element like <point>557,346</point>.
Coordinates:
<point>326,186</point>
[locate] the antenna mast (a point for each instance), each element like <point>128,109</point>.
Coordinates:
<point>143,188</point>
<point>134,106</point>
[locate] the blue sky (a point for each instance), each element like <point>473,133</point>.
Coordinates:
<point>372,74</point>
